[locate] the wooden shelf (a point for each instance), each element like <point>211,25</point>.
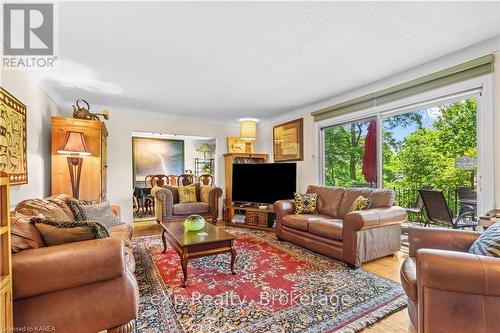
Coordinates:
<point>254,208</point>
<point>4,279</point>
<point>4,229</point>
<point>249,226</point>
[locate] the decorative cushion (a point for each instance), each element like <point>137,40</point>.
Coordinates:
<point>205,193</point>
<point>305,203</point>
<point>63,232</point>
<point>42,208</point>
<point>187,194</point>
<point>488,244</point>
<point>24,235</point>
<point>379,197</point>
<point>360,203</point>
<point>74,205</point>
<point>101,212</point>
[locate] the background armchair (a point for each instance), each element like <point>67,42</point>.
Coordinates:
<point>169,209</point>
<point>449,289</point>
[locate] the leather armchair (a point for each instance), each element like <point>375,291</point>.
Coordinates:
<point>169,209</point>
<point>449,289</point>
<point>91,276</point>
<point>85,286</point>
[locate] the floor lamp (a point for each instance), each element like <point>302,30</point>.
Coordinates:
<point>74,145</point>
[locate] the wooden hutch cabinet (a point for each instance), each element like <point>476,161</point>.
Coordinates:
<point>5,257</point>
<point>93,182</point>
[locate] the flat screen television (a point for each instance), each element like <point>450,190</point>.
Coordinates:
<point>264,183</point>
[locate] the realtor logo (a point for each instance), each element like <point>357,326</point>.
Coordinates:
<point>28,29</point>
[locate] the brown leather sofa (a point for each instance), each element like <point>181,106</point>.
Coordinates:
<point>169,209</point>
<point>448,289</point>
<point>78,287</point>
<point>353,237</point>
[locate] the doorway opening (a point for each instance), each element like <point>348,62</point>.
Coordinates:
<point>167,156</point>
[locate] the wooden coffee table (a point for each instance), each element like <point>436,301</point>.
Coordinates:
<point>189,245</point>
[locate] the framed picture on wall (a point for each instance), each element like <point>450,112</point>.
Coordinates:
<point>237,145</point>
<point>153,156</point>
<point>13,138</point>
<point>288,141</point>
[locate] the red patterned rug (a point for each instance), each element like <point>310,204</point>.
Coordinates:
<point>279,287</point>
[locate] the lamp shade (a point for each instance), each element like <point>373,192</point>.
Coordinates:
<point>205,148</point>
<point>248,129</point>
<point>74,144</point>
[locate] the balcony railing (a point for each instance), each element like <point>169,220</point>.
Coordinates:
<point>407,197</point>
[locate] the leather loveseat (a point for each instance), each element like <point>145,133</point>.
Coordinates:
<point>353,237</point>
<point>169,209</point>
<point>85,286</point>
<point>449,289</point>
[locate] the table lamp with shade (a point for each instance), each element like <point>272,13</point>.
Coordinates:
<point>205,149</point>
<point>75,146</point>
<point>248,132</point>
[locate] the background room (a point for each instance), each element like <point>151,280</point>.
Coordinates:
<point>167,156</point>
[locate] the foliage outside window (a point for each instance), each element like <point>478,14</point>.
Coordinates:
<point>419,148</point>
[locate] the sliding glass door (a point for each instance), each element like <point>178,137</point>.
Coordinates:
<point>432,147</point>
<point>442,145</point>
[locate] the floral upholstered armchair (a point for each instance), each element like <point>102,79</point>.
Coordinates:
<point>169,208</point>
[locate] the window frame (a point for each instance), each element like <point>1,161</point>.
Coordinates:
<point>480,88</point>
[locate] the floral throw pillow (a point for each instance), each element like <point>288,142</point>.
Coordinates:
<point>361,203</point>
<point>306,203</point>
<point>187,194</point>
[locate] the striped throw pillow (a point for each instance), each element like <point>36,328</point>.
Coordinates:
<point>488,244</point>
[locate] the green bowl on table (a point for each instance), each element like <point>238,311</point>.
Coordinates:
<point>194,223</point>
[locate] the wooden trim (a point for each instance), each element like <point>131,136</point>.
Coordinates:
<point>447,76</point>
<point>6,298</point>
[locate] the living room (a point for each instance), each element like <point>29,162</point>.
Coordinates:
<point>250,166</point>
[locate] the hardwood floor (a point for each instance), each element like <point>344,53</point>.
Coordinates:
<point>387,267</point>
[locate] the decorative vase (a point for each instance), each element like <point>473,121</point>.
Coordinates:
<point>194,223</point>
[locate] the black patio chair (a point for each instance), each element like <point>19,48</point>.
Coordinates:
<point>467,199</point>
<point>438,211</point>
<point>418,206</point>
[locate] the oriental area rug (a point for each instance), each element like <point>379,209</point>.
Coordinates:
<point>279,287</point>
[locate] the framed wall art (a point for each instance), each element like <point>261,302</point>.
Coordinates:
<point>288,141</point>
<point>238,145</point>
<point>13,138</point>
<point>153,156</point>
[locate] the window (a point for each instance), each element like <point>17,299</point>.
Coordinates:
<point>344,152</point>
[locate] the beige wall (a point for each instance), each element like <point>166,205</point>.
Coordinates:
<point>120,129</point>
<point>40,108</point>
<point>496,120</point>
<point>306,169</point>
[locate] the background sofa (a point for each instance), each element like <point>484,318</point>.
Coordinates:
<point>85,286</point>
<point>449,289</point>
<point>353,237</point>
<point>169,209</point>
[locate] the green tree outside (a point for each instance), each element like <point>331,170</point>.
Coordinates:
<point>425,156</point>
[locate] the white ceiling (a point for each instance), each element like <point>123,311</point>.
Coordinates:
<point>225,60</point>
